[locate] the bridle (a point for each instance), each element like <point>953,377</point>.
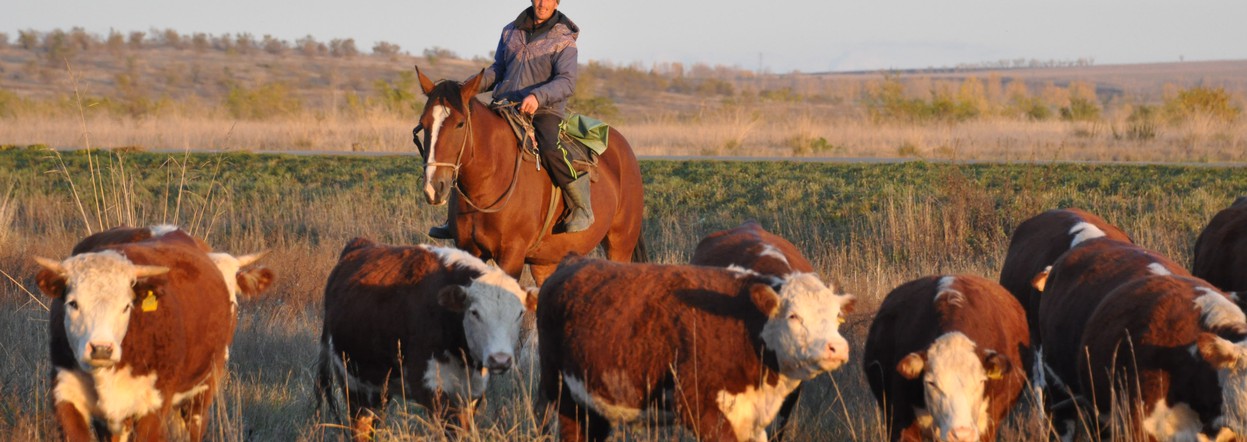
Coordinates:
<point>498,204</point>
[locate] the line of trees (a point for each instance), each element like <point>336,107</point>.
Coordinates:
<point>59,44</point>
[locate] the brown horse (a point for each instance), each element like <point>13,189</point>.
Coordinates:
<point>501,202</point>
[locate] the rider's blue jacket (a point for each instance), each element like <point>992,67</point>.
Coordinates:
<point>538,60</point>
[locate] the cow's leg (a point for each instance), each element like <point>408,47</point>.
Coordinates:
<point>364,407</point>
<point>712,425</point>
<point>151,427</point>
<point>578,423</point>
<point>75,426</point>
<point>785,411</point>
<point>196,411</point>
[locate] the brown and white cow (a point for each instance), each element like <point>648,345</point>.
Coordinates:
<point>430,323</point>
<point>751,247</point>
<point>719,349</point>
<point>1221,250</point>
<point>1038,242</point>
<point>1080,279</point>
<point>1174,346</point>
<point>946,358</point>
<point>138,330</point>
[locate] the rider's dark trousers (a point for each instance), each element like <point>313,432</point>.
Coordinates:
<point>553,158</point>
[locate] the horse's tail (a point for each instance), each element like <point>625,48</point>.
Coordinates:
<point>640,253</point>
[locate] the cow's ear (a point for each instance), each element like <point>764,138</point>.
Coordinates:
<point>911,365</point>
<point>1217,351</point>
<point>530,298</point>
<point>453,298</point>
<point>848,303</point>
<point>252,282</point>
<point>1041,279</point>
<point>996,365</point>
<point>765,299</point>
<point>51,278</point>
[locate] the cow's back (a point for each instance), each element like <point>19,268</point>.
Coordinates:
<point>752,247</point>
<point>1221,251</point>
<point>378,296</point>
<point>1038,242</point>
<point>1079,281</point>
<point>595,317</point>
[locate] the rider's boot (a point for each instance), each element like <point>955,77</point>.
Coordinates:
<point>576,195</point>
<point>441,232</point>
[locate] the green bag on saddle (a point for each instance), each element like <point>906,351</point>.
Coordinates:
<point>591,132</point>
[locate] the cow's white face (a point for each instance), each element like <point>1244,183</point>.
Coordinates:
<point>804,329</point>
<point>954,385</point>
<point>1230,361</point>
<point>493,310</point>
<point>99,295</point>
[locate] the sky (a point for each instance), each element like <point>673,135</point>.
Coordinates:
<point>777,36</point>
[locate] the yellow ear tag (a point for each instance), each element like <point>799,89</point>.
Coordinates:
<point>149,302</point>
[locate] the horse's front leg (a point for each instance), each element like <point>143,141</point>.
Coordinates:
<point>511,259</point>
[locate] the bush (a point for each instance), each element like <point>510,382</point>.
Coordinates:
<point>602,108</point>
<point>1081,109</point>
<point>266,101</point>
<point>1214,103</point>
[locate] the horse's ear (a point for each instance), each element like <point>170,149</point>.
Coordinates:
<point>469,88</point>
<point>426,85</point>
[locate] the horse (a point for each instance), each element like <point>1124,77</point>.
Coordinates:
<point>502,208</point>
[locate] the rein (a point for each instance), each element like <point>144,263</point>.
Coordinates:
<point>501,202</point>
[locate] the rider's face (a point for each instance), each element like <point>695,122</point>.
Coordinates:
<point>544,9</point>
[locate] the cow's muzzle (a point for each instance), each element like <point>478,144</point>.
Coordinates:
<point>499,362</point>
<point>101,355</point>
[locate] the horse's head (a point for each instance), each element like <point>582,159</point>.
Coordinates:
<point>447,133</point>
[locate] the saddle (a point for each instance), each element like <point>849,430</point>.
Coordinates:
<point>572,133</point>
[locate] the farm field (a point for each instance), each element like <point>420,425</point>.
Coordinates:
<point>870,227</point>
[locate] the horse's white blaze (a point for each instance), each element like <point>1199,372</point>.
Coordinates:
<point>440,113</point>
<point>1084,231</point>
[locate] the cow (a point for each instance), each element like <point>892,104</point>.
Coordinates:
<point>1172,347</point>
<point>1038,242</point>
<point>751,247</point>
<point>714,349</point>
<point>946,358</point>
<point>1080,279</point>
<point>139,330</point>
<point>434,322</point>
<point>1221,251</point>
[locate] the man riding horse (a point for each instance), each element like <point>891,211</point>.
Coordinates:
<point>535,65</point>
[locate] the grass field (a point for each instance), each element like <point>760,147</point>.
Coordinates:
<point>871,227</point>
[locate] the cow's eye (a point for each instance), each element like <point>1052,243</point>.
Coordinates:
<point>794,317</point>
<point>127,309</point>
<point>475,314</point>
<point>72,305</point>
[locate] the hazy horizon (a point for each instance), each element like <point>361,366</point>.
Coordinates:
<point>800,35</point>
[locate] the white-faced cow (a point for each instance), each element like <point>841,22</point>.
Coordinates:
<point>1173,348</point>
<point>138,330</point>
<point>719,349</point>
<point>751,247</point>
<point>430,323</point>
<point>946,358</point>
<point>1038,242</point>
<point>1080,279</point>
<point>1221,250</point>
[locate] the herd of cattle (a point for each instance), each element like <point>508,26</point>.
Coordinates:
<point>142,320</point>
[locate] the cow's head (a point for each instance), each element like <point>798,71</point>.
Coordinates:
<point>99,293</point>
<point>248,283</point>
<point>954,376</point>
<point>803,325</point>
<point>493,307</point>
<point>1230,361</point>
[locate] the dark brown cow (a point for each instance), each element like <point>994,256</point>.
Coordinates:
<point>1038,242</point>
<point>137,330</point>
<point>722,347</point>
<point>1221,250</point>
<point>751,247</point>
<point>430,323</point>
<point>946,358</point>
<point>1142,341</point>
